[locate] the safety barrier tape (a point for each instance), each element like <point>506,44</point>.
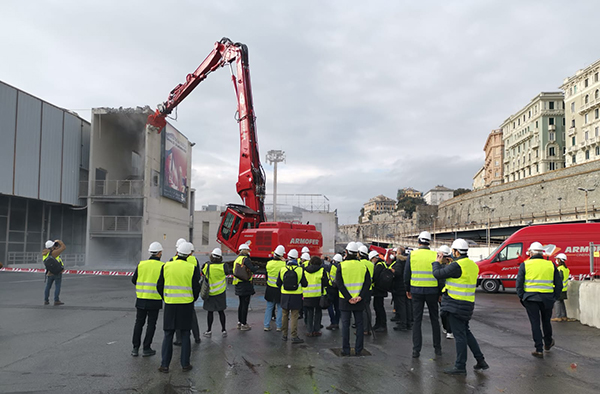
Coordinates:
<point>513,277</point>
<point>89,272</point>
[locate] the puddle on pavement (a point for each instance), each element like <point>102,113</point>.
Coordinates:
<point>338,352</point>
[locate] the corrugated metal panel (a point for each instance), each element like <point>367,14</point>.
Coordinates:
<point>27,160</point>
<point>8,109</point>
<point>85,145</point>
<point>71,159</point>
<point>52,126</point>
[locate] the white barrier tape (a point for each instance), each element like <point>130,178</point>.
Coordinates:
<point>513,277</point>
<point>87,272</point>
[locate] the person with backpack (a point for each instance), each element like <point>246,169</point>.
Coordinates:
<point>353,281</point>
<point>54,269</point>
<point>291,279</point>
<point>333,294</point>
<point>559,305</point>
<point>272,291</point>
<point>244,288</point>
<point>148,301</point>
<point>317,282</point>
<point>383,278</point>
<point>402,305</point>
<point>215,272</point>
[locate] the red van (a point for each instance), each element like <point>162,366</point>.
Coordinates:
<point>502,266</point>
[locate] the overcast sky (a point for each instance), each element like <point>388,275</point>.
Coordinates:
<point>364,97</point>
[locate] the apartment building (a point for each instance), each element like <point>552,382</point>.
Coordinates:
<point>534,137</point>
<point>493,173</point>
<point>582,103</point>
<point>377,205</point>
<point>438,194</point>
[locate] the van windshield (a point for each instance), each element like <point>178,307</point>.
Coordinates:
<point>494,251</point>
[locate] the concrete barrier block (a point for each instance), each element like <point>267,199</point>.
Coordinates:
<point>572,301</point>
<point>589,308</point>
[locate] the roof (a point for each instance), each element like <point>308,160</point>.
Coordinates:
<point>440,188</point>
<point>381,197</point>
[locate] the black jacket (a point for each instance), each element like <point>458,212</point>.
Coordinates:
<point>364,291</point>
<point>463,310</point>
<point>377,292</point>
<point>547,298</point>
<point>420,290</point>
<point>399,267</point>
<point>244,288</point>
<point>143,303</point>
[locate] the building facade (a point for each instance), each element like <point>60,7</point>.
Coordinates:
<point>534,137</point>
<point>43,157</point>
<point>494,154</point>
<point>377,205</point>
<point>409,192</point>
<point>479,179</point>
<point>582,103</point>
<point>438,194</point>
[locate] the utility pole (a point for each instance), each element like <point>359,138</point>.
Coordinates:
<point>587,220</point>
<point>488,234</point>
<point>274,157</point>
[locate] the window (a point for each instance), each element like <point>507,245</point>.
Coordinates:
<point>597,94</point>
<point>586,119</point>
<point>529,114</point>
<point>587,98</point>
<point>573,141</point>
<point>598,151</point>
<point>550,121</point>
<point>596,113</point>
<point>536,124</point>
<point>572,122</point>
<point>596,131</point>
<point>587,154</point>
<point>205,232</point>
<point>551,151</point>
<point>573,160</point>
<point>574,91</point>
<point>551,166</point>
<point>586,83</point>
<point>586,135</point>
<point>596,78</point>
<point>563,121</point>
<point>552,136</point>
<point>551,105</point>
<point>510,252</point>
<point>573,106</point>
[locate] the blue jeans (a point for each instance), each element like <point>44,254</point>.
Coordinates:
<point>49,280</point>
<point>167,348</point>
<point>334,307</point>
<point>463,338</point>
<point>269,313</point>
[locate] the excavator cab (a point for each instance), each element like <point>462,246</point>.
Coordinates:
<point>235,219</point>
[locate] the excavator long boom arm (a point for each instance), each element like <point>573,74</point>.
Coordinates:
<point>251,182</point>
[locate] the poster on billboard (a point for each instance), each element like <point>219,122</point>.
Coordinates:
<point>174,164</point>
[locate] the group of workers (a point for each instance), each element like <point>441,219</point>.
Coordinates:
<point>303,285</point>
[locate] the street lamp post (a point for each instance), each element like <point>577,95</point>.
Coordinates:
<point>274,157</point>
<point>587,220</point>
<point>559,208</point>
<point>488,235</point>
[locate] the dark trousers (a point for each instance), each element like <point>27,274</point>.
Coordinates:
<point>195,329</point>
<point>334,307</point>
<point>140,320</point>
<point>403,308</point>
<point>367,316</point>
<point>210,316</point>
<point>538,312</point>
<point>463,338</point>
<point>313,319</point>
<point>243,309</point>
<point>419,301</point>
<point>358,318</point>
<point>167,348</point>
<point>446,323</point>
<point>380,318</point>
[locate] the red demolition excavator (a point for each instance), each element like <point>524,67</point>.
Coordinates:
<point>243,223</point>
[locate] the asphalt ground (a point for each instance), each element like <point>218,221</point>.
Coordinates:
<point>84,347</point>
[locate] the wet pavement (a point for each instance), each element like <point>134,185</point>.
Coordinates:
<point>84,347</point>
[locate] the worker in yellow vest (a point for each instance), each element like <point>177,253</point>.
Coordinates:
<point>316,279</point>
<point>353,281</point>
<point>195,329</point>
<point>55,248</point>
<point>423,288</point>
<point>244,288</point>
<point>561,311</point>
<point>458,303</point>
<point>363,257</point>
<point>333,293</point>
<point>179,286</point>
<point>216,273</point>
<point>272,291</point>
<point>291,280</point>
<point>148,302</point>
<point>538,285</point>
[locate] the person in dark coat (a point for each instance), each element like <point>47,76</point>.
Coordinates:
<point>378,293</point>
<point>333,293</point>
<point>402,305</point>
<point>244,289</point>
<point>217,272</point>
<point>178,316</point>
<point>291,300</point>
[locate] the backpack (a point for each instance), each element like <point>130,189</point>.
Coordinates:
<point>53,265</point>
<point>385,280</point>
<point>290,279</point>
<point>205,284</point>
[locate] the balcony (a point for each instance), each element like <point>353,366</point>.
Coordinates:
<point>586,106</point>
<point>552,127</point>
<point>116,226</point>
<point>572,148</point>
<point>112,189</point>
<point>572,131</point>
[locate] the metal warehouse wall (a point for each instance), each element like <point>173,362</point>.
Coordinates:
<point>44,151</point>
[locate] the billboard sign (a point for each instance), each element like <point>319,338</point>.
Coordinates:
<point>175,158</point>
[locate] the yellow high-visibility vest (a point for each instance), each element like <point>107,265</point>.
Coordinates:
<point>299,271</point>
<point>566,273</point>
<point>44,257</point>
<point>178,276</point>
<point>314,288</point>
<point>273,269</point>
<point>463,288</point>
<point>238,261</point>
<point>148,274</point>
<point>539,276</point>
<point>217,280</point>
<point>420,267</point>
<point>371,268</point>
<point>353,275</point>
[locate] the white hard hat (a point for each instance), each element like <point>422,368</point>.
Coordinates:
<point>305,250</point>
<point>192,246</point>
<point>49,244</point>
<point>243,247</point>
<point>293,254</point>
<point>279,251</point>
<point>305,256</point>
<point>217,252</point>
<point>562,256</point>
<point>352,247</point>
<point>359,243</point>
<point>373,254</point>
<point>155,247</point>
<point>337,257</point>
<point>425,237</point>
<point>445,250</point>
<point>184,249</point>
<point>460,244</point>
<point>536,247</point>
<point>179,242</point>
<point>363,250</point>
